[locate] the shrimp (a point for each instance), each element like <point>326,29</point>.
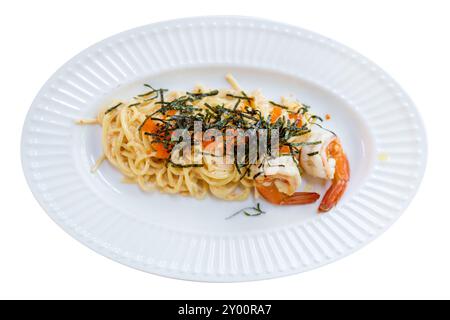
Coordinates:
<point>327,160</point>
<point>279,181</point>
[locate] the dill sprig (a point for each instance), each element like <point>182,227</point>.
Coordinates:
<point>249,212</point>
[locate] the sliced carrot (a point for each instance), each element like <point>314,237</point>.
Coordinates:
<point>276,113</point>
<point>171,112</point>
<point>327,117</point>
<point>161,151</point>
<point>294,117</point>
<point>150,126</point>
<point>252,103</point>
<point>206,143</point>
<point>284,150</point>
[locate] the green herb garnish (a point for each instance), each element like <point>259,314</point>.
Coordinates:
<point>243,97</point>
<point>278,105</point>
<point>134,104</point>
<point>198,96</point>
<point>316,124</point>
<point>257,175</point>
<point>317,117</point>
<point>249,212</point>
<point>222,118</point>
<point>177,165</point>
<point>113,108</point>
<point>301,144</point>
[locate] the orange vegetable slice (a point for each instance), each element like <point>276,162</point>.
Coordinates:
<point>294,117</point>
<point>276,113</point>
<point>161,151</point>
<point>150,126</point>
<point>284,150</point>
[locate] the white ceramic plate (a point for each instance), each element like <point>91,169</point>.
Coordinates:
<point>189,239</point>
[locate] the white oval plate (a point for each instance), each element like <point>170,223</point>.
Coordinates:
<point>189,239</point>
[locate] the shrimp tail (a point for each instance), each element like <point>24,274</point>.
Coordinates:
<point>271,194</point>
<point>332,196</point>
<point>301,198</point>
<point>338,186</point>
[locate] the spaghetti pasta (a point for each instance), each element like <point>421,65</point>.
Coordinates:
<point>137,139</point>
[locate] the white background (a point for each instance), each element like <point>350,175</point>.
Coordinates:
<point>409,39</point>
